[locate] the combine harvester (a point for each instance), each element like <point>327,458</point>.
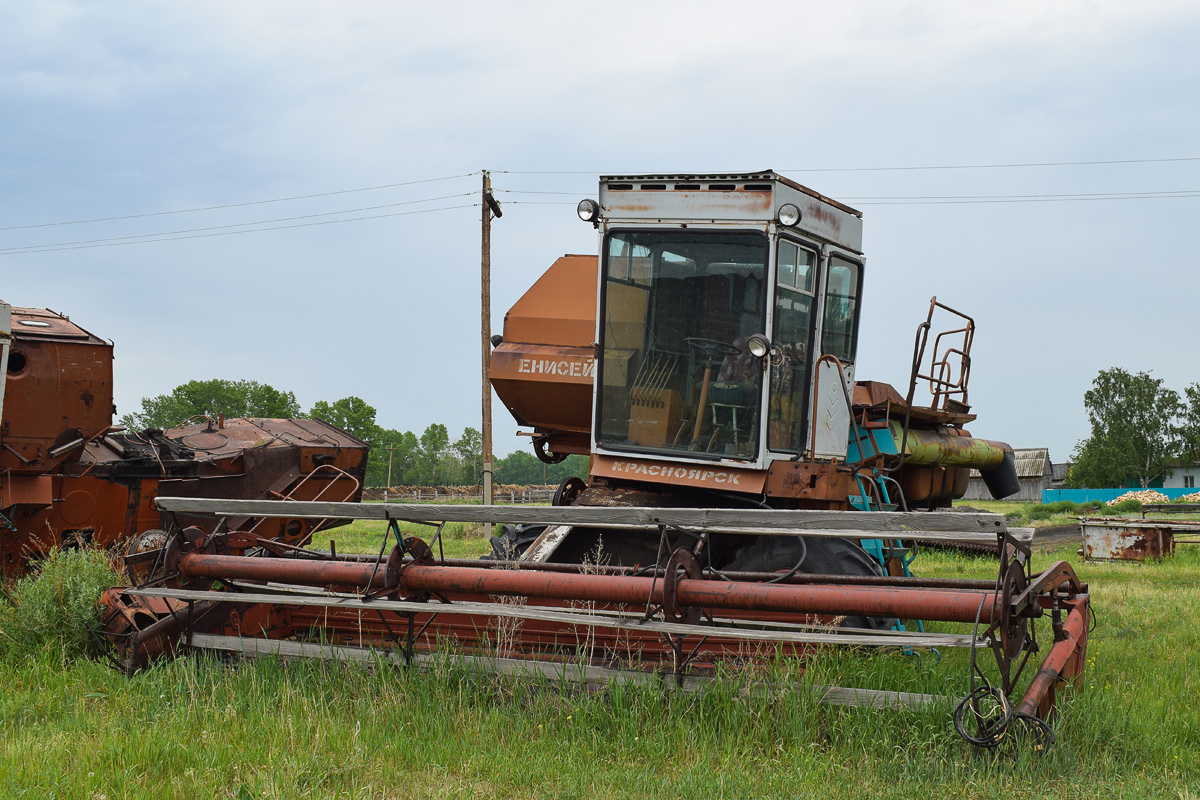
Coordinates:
<point>746,496</point>
<point>69,477</point>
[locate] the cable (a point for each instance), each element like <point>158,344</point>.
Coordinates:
<point>239,205</point>
<point>1030,199</point>
<point>890,169</point>
<point>1001,166</point>
<point>799,563</point>
<point>255,230</point>
<point>149,236</point>
<point>527,191</point>
<point>876,200</point>
<point>1025,196</point>
<point>540,203</point>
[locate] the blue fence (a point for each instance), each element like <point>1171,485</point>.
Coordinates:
<point>1103,495</point>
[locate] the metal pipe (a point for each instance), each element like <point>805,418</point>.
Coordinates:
<point>1041,688</point>
<point>937,448</point>
<point>603,569</point>
<point>308,572</point>
<point>885,601</point>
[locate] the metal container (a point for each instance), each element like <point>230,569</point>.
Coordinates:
<point>1106,539</point>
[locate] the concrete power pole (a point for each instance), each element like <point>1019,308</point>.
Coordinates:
<point>490,207</point>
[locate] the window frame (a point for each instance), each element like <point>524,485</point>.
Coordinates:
<point>830,258</point>
<point>765,312</point>
<point>817,313</point>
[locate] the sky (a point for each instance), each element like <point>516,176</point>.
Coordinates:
<point>335,150</point>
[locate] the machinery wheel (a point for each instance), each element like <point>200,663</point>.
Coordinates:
<point>547,456</point>
<point>568,490</point>
<point>513,541</point>
<point>151,540</point>
<point>822,555</point>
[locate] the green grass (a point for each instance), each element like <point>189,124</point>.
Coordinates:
<point>459,539</point>
<point>199,727</point>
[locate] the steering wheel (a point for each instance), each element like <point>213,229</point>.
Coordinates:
<point>711,349</point>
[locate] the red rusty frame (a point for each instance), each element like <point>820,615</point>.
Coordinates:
<point>412,575</point>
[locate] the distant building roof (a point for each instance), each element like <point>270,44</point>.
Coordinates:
<point>1031,462</point>
<point>1059,471</point>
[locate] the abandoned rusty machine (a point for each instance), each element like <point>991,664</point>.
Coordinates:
<point>746,495</point>
<point>69,476</point>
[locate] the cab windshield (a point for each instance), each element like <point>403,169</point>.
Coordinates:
<point>675,373</point>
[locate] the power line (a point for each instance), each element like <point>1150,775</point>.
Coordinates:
<point>1013,165</point>
<point>239,205</point>
<point>1000,166</point>
<point>951,199</point>
<point>527,191</point>
<point>255,230</point>
<point>1067,195</point>
<point>151,236</point>
<point>1046,199</point>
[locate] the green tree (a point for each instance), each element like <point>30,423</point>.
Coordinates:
<point>212,399</point>
<point>352,414</point>
<point>401,448</point>
<point>1189,430</point>
<point>469,451</point>
<point>432,449</point>
<point>519,467</point>
<point>523,468</point>
<point>1135,435</point>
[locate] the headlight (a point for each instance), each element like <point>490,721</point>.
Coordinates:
<point>758,345</point>
<point>588,210</point>
<point>789,215</point>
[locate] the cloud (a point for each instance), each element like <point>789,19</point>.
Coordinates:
<point>131,107</point>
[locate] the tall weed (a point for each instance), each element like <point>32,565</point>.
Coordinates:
<point>54,608</point>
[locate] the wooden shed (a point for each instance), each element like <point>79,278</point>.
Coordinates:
<point>1033,469</point>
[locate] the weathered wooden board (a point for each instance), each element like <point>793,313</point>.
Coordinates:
<point>558,672</point>
<point>578,617</point>
<point>981,527</point>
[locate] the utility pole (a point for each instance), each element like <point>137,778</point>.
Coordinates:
<point>391,447</point>
<point>490,207</point>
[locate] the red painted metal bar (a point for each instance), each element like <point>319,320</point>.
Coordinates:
<point>906,603</point>
<point>1064,655</point>
<point>285,570</point>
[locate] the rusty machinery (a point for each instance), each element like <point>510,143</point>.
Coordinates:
<point>68,475</point>
<point>745,493</point>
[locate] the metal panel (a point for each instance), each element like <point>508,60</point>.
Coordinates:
<point>831,414</point>
<point>731,197</point>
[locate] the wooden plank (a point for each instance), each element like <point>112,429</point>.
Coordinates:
<point>559,672</point>
<point>751,521</point>
<point>579,618</point>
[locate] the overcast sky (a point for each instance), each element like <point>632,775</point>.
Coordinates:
<point>129,109</point>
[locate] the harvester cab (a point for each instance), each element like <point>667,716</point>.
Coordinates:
<point>726,303</point>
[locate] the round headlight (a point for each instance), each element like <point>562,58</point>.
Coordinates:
<point>758,345</point>
<point>789,215</point>
<point>588,210</point>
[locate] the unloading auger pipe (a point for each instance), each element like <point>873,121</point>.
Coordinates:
<point>905,603</point>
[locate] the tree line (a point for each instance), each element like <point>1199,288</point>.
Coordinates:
<point>431,459</point>
<point>1141,431</point>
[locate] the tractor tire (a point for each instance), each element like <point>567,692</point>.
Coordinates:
<point>513,541</point>
<point>822,556</point>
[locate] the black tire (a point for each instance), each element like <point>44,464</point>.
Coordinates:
<point>822,556</point>
<point>513,541</point>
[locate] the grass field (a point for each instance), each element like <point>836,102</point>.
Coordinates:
<point>198,728</point>
<point>459,539</point>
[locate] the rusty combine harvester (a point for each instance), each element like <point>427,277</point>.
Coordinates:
<point>746,495</point>
<point>68,475</point>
